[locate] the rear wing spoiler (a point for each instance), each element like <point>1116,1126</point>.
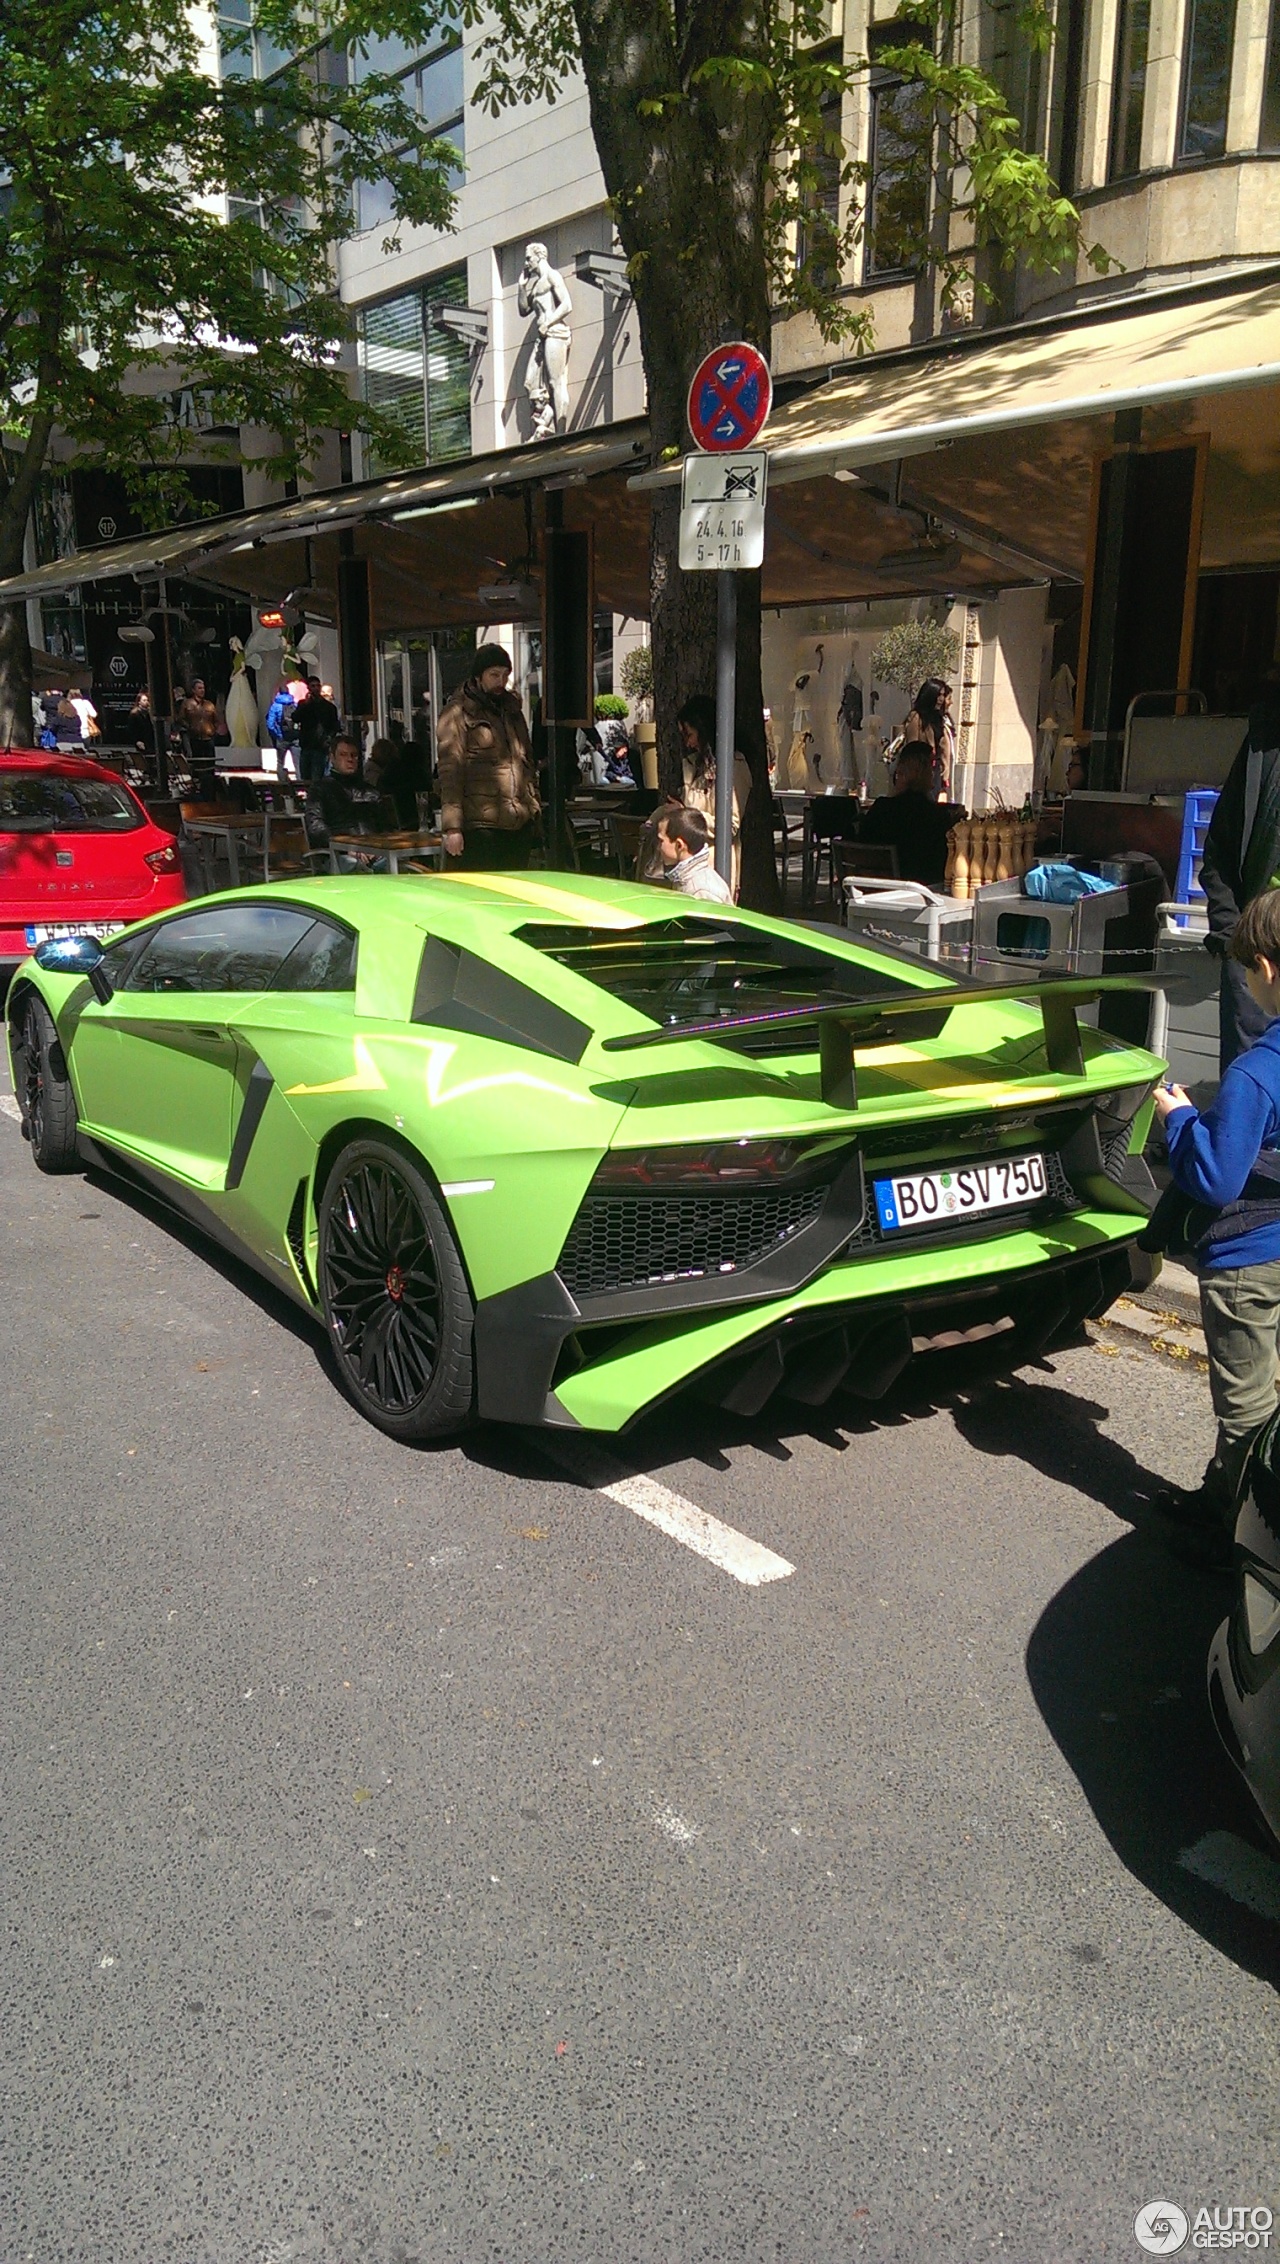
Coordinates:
<point>894,1017</point>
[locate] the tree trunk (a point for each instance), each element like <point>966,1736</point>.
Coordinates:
<point>688,189</point>
<point>17,728</point>
<point>17,493</point>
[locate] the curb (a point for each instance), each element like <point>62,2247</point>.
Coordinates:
<point>1176,1292</point>
<point>1165,1331</point>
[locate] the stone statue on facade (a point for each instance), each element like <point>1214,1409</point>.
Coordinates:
<point>541,292</point>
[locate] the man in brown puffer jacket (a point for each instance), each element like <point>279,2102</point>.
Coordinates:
<point>489,798</point>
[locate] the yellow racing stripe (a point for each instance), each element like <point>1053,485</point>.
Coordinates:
<point>584,909</point>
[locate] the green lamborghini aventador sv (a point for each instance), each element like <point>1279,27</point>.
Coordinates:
<point>546,1149</point>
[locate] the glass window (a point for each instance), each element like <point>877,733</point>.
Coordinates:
<point>324,959</point>
<point>1269,138</point>
<point>377,204</point>
<point>698,970</point>
<point>1065,92</point>
<point>448,374</point>
<point>1133,33</point>
<point>1015,64</point>
<point>45,803</point>
<point>271,57</point>
<point>437,88</point>
<point>386,55</point>
<point>235,48</point>
<point>238,947</point>
<point>417,372</point>
<point>1206,78</point>
<point>901,159</point>
<point>817,238</point>
<point>393,364</point>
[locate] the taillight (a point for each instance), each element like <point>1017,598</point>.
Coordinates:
<point>730,1163</point>
<point>164,860</point>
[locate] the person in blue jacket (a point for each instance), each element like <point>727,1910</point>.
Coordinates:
<point>279,719</point>
<point>1226,1164</point>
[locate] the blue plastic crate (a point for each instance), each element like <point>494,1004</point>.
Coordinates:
<point>1197,809</point>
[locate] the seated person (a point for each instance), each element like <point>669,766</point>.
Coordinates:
<point>684,849</point>
<point>342,803</point>
<point>910,820</point>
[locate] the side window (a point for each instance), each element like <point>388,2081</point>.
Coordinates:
<point>118,958</point>
<point>235,947</point>
<point>324,959</point>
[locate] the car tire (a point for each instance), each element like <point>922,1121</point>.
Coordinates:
<point>46,1100</point>
<point>396,1301</point>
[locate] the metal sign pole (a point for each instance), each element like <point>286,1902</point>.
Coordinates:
<point>722,494</point>
<point>726,699</point>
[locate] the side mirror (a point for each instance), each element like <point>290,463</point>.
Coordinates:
<point>76,955</point>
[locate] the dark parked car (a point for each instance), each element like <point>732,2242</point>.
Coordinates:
<point>1244,1662</point>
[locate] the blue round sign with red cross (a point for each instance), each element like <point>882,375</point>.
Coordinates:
<point>730,398</point>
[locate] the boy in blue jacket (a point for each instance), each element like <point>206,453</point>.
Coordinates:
<point>1227,1163</point>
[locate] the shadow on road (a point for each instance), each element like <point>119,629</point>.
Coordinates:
<point>241,1275</point>
<point>1116,1664</point>
<point>1060,1434</point>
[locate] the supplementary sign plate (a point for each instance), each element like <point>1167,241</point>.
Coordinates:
<point>722,512</point>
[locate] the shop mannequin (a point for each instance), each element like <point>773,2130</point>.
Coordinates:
<point>242,708</point>
<point>848,727</point>
<point>801,740</point>
<point>872,739</point>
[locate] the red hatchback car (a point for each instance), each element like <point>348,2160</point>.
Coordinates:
<point>78,853</point>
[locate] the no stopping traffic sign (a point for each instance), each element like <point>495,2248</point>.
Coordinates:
<point>729,398</point>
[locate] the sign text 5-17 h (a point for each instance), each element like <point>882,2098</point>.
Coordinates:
<point>722,512</point>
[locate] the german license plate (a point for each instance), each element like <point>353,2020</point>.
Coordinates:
<point>938,1198</point>
<point>48,931</point>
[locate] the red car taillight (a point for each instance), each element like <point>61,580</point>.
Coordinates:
<point>732,1163</point>
<point>164,860</point>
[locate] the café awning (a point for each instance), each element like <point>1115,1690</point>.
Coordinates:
<point>1152,352</point>
<point>404,498</point>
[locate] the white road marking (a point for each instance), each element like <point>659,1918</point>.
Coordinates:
<point>735,1553</point>
<point>9,1107</point>
<point>1241,1871</point>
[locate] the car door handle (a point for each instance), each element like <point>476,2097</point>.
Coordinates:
<point>206,1034</point>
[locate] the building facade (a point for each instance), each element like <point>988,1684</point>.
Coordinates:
<point>1161,117</point>
<point>516,330</point>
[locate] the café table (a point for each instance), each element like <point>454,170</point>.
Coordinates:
<point>424,847</point>
<point>271,789</point>
<point>231,833</point>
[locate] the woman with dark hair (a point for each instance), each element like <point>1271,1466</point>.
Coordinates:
<point>697,726</point>
<point>930,721</point>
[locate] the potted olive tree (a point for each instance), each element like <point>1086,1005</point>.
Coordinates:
<point>636,678</point>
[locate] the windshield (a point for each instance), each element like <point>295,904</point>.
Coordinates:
<point>703,970</point>
<point>41,802</point>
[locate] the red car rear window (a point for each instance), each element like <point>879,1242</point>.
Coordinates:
<point>45,803</point>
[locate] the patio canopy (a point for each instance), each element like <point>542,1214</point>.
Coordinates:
<point>1161,349</point>
<point>202,545</point>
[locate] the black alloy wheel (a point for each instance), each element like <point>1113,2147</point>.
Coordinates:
<point>45,1097</point>
<point>395,1295</point>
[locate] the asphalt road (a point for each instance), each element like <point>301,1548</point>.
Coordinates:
<point>423,1856</point>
